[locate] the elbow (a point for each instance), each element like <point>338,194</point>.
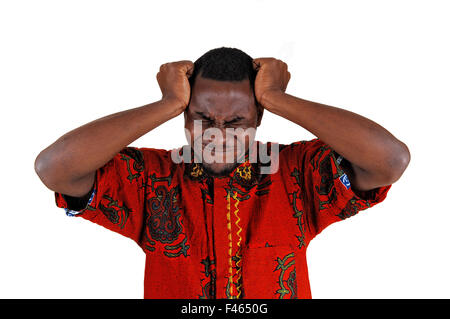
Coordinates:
<point>397,163</point>
<point>42,167</point>
<point>38,165</point>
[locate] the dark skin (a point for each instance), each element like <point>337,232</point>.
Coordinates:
<point>68,165</point>
<point>222,105</point>
<point>375,157</point>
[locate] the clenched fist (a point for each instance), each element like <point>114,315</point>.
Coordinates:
<point>173,81</point>
<point>272,76</point>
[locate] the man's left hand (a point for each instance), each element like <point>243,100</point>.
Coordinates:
<point>272,77</point>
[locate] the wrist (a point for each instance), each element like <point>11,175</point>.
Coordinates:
<point>173,105</point>
<point>270,100</point>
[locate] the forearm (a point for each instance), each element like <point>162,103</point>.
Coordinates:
<point>88,147</point>
<point>361,141</point>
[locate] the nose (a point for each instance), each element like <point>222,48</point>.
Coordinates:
<point>218,138</point>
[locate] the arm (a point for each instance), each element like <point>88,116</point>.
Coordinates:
<point>68,165</point>
<point>376,158</point>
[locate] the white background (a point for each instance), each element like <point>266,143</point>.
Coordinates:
<point>66,63</point>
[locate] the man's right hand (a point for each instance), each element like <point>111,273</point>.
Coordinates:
<point>173,81</point>
<point>68,165</point>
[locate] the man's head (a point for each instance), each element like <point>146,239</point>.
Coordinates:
<point>222,101</point>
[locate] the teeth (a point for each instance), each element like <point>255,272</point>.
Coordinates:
<point>219,149</point>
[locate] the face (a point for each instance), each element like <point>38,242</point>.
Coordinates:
<point>225,118</point>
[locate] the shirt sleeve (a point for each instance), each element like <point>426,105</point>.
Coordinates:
<point>327,193</point>
<point>117,198</point>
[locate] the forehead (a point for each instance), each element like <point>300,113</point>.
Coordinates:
<point>214,96</point>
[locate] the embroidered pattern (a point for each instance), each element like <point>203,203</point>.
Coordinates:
<point>164,221</point>
<point>197,170</point>
<point>326,186</point>
<point>208,288</point>
<point>353,206</point>
<point>230,251</point>
<point>137,158</point>
<point>115,213</point>
<point>237,257</point>
<point>255,214</point>
<point>298,214</point>
<point>288,284</point>
<point>183,248</point>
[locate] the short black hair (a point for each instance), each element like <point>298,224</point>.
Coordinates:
<point>224,64</point>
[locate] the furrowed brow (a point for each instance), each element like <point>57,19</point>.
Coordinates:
<point>235,119</point>
<point>203,115</point>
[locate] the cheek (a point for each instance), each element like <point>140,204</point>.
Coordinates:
<point>245,132</point>
<point>189,133</point>
<point>243,141</point>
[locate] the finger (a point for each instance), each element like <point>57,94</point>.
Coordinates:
<point>162,66</point>
<point>190,71</point>
<point>187,67</point>
<point>256,65</point>
<point>260,62</point>
<point>185,63</point>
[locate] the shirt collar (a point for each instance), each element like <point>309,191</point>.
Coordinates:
<point>246,173</point>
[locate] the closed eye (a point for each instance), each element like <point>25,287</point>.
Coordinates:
<point>204,117</point>
<point>233,121</point>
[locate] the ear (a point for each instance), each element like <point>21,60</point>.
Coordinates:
<point>260,112</point>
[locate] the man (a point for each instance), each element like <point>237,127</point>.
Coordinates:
<point>221,229</point>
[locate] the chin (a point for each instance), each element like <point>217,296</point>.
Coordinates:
<point>219,169</point>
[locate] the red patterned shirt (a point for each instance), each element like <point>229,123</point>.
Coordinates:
<point>243,235</point>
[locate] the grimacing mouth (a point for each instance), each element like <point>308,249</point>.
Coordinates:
<point>235,145</point>
<point>213,144</point>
